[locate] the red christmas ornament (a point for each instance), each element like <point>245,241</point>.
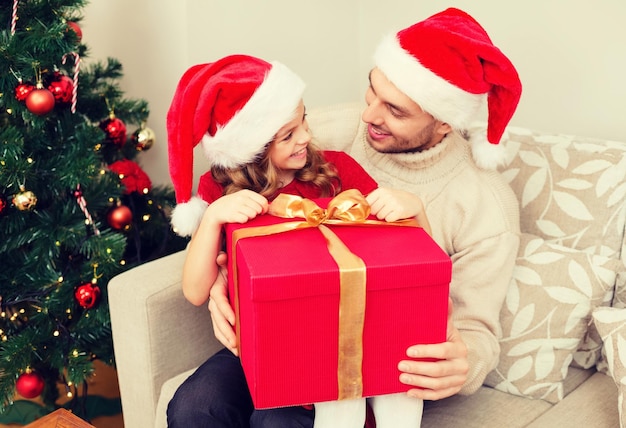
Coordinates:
<point>120,217</point>
<point>22,90</point>
<point>3,203</point>
<point>114,129</point>
<point>133,177</point>
<point>62,89</point>
<point>40,101</point>
<point>29,384</point>
<point>87,295</point>
<point>74,26</point>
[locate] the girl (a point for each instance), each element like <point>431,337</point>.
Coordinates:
<point>249,116</point>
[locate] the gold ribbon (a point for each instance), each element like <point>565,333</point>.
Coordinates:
<point>349,207</point>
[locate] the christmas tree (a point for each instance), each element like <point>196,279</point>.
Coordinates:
<point>75,208</point>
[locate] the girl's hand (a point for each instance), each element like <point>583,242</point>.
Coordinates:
<point>199,273</point>
<point>237,207</point>
<point>393,204</point>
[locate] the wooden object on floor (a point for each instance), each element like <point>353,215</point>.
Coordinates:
<point>60,418</point>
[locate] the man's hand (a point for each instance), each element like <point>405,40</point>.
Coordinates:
<point>222,313</point>
<point>435,380</point>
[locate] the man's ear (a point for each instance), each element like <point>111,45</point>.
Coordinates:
<point>443,128</point>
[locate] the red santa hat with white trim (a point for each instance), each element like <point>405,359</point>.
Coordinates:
<point>447,64</point>
<point>233,107</point>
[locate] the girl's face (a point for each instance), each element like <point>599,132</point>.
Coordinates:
<point>288,150</point>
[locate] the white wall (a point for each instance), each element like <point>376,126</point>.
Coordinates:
<point>570,54</point>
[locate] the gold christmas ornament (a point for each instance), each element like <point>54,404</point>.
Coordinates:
<point>25,200</point>
<point>143,138</point>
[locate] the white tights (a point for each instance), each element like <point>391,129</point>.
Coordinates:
<point>391,411</point>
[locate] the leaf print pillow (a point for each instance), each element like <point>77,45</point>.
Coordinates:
<point>571,189</point>
<point>546,314</point>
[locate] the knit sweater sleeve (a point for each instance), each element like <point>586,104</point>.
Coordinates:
<point>480,277</point>
<point>480,230</point>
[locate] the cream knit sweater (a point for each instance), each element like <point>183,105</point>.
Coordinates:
<point>474,217</point>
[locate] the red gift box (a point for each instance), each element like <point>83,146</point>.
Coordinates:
<point>287,300</point>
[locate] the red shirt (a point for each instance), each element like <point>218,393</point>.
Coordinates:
<point>351,174</point>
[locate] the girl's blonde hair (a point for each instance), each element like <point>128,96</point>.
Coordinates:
<point>261,176</point>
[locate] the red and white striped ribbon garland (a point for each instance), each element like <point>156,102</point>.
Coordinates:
<point>82,203</point>
<point>76,71</point>
<point>14,17</point>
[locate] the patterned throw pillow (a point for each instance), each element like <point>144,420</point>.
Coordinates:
<point>611,324</point>
<point>571,189</point>
<point>545,316</point>
<point>620,287</point>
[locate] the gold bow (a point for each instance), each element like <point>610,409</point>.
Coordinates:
<point>349,206</point>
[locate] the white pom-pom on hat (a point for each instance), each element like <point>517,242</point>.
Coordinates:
<point>186,217</point>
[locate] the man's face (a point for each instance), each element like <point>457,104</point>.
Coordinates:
<point>396,124</point>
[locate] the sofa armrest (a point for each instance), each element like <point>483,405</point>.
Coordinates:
<point>157,334</point>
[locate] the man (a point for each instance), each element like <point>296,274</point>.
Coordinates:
<point>426,86</point>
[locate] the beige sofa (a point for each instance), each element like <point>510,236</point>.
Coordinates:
<point>562,320</point>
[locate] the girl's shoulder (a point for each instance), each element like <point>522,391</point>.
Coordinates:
<point>351,173</point>
<point>334,156</point>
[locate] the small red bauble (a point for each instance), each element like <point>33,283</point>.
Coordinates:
<point>74,26</point>
<point>114,129</point>
<point>29,384</point>
<point>62,89</point>
<point>40,101</point>
<point>22,90</point>
<point>120,217</point>
<point>3,203</point>
<point>87,295</point>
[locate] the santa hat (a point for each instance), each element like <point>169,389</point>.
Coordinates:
<point>233,107</point>
<point>447,64</point>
